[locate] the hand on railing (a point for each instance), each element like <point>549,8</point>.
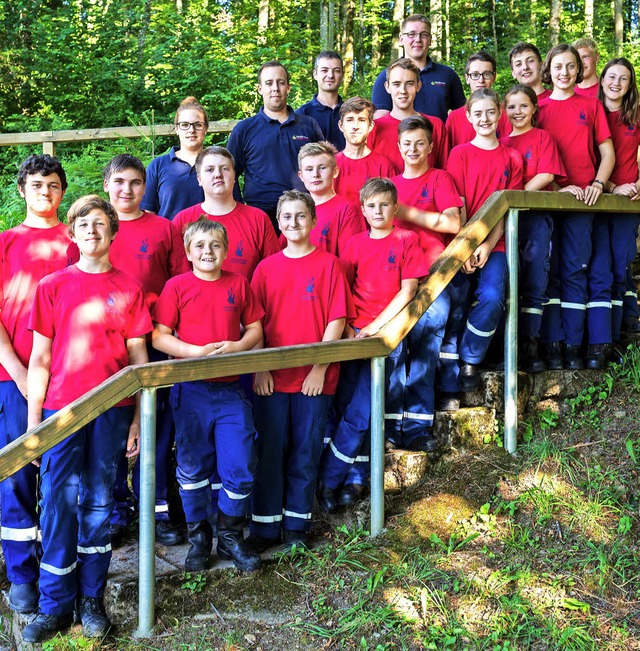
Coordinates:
<point>630,190</point>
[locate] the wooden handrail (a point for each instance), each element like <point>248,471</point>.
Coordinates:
<point>31,445</point>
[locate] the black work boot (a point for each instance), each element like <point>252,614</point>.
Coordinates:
<point>572,359</point>
<point>530,360</point>
<point>44,626</point>
<point>597,355</point>
<point>553,356</point>
<point>95,622</point>
<point>200,538</point>
<point>469,377</point>
<point>232,545</point>
<point>23,597</point>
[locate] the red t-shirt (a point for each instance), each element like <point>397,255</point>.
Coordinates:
<point>27,255</point>
<point>384,140</point>
<point>578,124</point>
<point>544,94</point>
<point>591,91</point>
<point>338,220</point>
<point>355,172</point>
<point>460,131</point>
<point>626,139</point>
<point>433,191</point>
<point>375,269</point>
<point>300,297</point>
<point>150,249</point>
<point>202,312</point>
<point>479,172</point>
<point>250,232</point>
<point>89,317</point>
<point>539,154</point>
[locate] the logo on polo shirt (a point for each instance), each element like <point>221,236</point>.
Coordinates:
<point>239,248</point>
<point>392,256</point>
<point>144,247</point>
<point>425,192</point>
<point>300,137</point>
<point>438,83</point>
<point>231,297</point>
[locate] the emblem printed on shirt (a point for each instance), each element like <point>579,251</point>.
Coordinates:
<point>231,301</point>
<point>583,117</point>
<point>528,154</point>
<point>300,137</point>
<point>111,299</point>
<point>310,290</point>
<point>425,192</point>
<point>143,253</point>
<point>239,254</point>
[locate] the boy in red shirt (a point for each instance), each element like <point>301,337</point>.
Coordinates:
<point>480,72</point>
<point>430,195</point>
<point>250,232</point>
<point>337,218</point>
<point>304,294</point>
<point>89,321</point>
<point>28,252</point>
<point>357,163</point>
<point>526,67</point>
<point>149,248</point>
<point>211,312</point>
<point>588,51</point>
<point>403,84</point>
<point>383,267</point>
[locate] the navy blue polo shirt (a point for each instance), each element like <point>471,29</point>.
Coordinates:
<point>266,151</point>
<point>441,91</point>
<point>327,118</point>
<point>172,186</point>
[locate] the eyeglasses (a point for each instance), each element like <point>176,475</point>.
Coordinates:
<point>423,36</point>
<point>487,75</point>
<point>185,126</point>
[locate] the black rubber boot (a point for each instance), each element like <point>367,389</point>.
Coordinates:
<point>597,356</point>
<point>232,545</point>
<point>23,597</point>
<point>200,538</point>
<point>572,359</point>
<point>45,626</point>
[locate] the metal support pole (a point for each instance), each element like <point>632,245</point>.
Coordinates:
<point>511,338</point>
<point>147,556</point>
<point>377,445</point>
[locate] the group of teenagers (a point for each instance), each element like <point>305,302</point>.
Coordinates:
<point>175,265</point>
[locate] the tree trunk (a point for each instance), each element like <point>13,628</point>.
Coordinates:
<point>588,18</point>
<point>493,24</point>
<point>359,63</point>
<point>554,22</point>
<point>263,21</point>
<point>324,19</point>
<point>347,43</point>
<point>436,28</point>
<point>619,30</point>
<point>398,15</point>
<point>447,31</point>
<point>375,40</point>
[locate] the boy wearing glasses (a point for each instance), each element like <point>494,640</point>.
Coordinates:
<point>480,72</point>
<point>441,89</point>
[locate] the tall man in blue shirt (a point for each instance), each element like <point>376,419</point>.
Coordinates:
<point>441,89</point>
<point>266,145</point>
<point>324,108</point>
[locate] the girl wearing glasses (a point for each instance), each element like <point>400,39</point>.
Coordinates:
<point>172,181</point>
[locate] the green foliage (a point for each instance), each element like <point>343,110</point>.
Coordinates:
<point>194,583</point>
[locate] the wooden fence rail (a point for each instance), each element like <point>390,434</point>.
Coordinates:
<point>49,139</point>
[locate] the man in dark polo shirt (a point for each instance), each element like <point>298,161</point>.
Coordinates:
<point>266,145</point>
<point>324,108</point>
<point>441,89</point>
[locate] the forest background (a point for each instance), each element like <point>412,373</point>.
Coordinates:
<point>78,64</point>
